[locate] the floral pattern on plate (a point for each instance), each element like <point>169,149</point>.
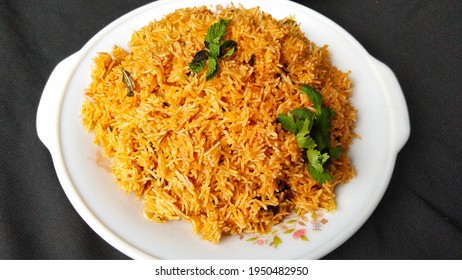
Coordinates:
<point>297,227</point>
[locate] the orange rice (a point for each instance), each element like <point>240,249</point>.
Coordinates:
<point>211,152</point>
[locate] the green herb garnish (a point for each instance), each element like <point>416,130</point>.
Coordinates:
<point>198,61</point>
<point>227,48</point>
<point>314,96</point>
<point>288,122</point>
<point>212,70</point>
<point>217,31</point>
<point>215,49</point>
<point>312,131</point>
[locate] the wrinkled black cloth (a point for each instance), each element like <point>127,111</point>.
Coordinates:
<point>420,216</point>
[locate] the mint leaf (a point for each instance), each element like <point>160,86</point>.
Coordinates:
<point>212,69</point>
<point>288,122</point>
<point>200,56</point>
<point>314,96</point>
<point>214,49</point>
<point>216,31</point>
<point>198,62</point>
<point>196,67</point>
<point>227,48</point>
<point>228,44</point>
<point>228,53</point>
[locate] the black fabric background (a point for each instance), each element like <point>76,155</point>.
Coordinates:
<point>420,216</point>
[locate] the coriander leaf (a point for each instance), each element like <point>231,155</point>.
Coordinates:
<point>212,69</point>
<point>287,121</point>
<point>304,117</point>
<point>335,152</point>
<point>321,127</point>
<point>317,159</point>
<point>303,113</point>
<point>304,141</point>
<point>299,127</point>
<point>303,126</point>
<point>323,121</point>
<point>321,140</point>
<point>314,96</point>
<point>320,177</point>
<point>324,157</point>
<point>216,31</point>
<point>312,132</point>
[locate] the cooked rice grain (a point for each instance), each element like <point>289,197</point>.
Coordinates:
<point>212,153</point>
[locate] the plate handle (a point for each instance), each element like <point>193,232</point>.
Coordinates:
<point>397,105</point>
<point>50,103</point>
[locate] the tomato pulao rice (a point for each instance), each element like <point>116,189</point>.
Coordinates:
<point>212,152</point>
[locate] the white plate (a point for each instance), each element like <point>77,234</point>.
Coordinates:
<point>383,124</point>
